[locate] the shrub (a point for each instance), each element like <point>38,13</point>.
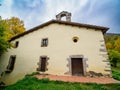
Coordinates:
<point>114,57</point>
<point>116,74</point>
<point>45,80</point>
<point>58,82</point>
<point>32,74</point>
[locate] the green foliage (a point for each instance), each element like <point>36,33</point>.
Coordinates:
<point>111,38</point>
<point>45,80</point>
<point>117,45</point>
<point>113,86</point>
<point>3,42</point>
<point>114,57</point>
<point>109,45</point>
<point>9,28</point>
<point>14,26</point>
<point>116,74</point>
<point>113,46</point>
<point>34,73</point>
<point>58,82</point>
<point>112,42</point>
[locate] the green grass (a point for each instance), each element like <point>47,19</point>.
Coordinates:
<point>112,86</point>
<point>116,72</point>
<point>32,83</point>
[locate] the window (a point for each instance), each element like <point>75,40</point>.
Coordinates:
<point>16,44</point>
<point>11,63</point>
<point>44,42</point>
<point>42,65</point>
<point>75,39</point>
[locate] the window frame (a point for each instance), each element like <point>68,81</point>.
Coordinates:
<point>44,42</point>
<point>16,44</point>
<point>75,39</point>
<point>11,64</point>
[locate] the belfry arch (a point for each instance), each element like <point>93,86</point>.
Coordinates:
<point>64,14</point>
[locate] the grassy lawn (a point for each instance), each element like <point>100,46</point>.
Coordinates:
<point>32,83</point>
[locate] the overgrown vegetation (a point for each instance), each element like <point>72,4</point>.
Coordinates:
<point>113,47</point>
<point>13,26</point>
<point>116,72</point>
<point>113,41</point>
<point>3,42</point>
<point>114,57</point>
<point>32,83</point>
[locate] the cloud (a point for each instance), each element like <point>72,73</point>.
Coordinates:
<point>39,11</point>
<point>35,12</point>
<point>5,8</point>
<point>29,10</point>
<point>104,13</point>
<point>53,8</point>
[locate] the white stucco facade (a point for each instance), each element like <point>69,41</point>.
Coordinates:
<point>61,47</point>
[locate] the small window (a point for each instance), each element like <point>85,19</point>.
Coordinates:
<point>16,44</point>
<point>44,42</point>
<point>11,63</point>
<point>75,39</point>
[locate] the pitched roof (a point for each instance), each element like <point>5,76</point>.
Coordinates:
<point>104,29</point>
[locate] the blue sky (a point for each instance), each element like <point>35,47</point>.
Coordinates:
<point>35,12</point>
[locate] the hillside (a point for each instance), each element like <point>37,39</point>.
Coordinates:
<point>112,34</point>
<point>109,37</point>
<point>113,46</point>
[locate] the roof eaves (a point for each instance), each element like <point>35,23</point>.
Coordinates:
<point>104,29</point>
<point>31,30</point>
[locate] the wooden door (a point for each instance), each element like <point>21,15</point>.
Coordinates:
<point>77,66</point>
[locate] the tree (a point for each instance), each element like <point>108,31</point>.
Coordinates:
<point>8,29</point>
<point>3,43</point>
<point>109,45</point>
<point>117,45</point>
<point>14,27</point>
<point>114,57</point>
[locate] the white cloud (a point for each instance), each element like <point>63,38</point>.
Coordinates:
<point>5,9</point>
<point>32,3</point>
<point>35,12</point>
<point>54,7</point>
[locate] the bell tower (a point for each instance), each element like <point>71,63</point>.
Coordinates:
<point>64,14</point>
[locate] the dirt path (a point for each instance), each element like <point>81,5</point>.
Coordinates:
<point>98,80</point>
